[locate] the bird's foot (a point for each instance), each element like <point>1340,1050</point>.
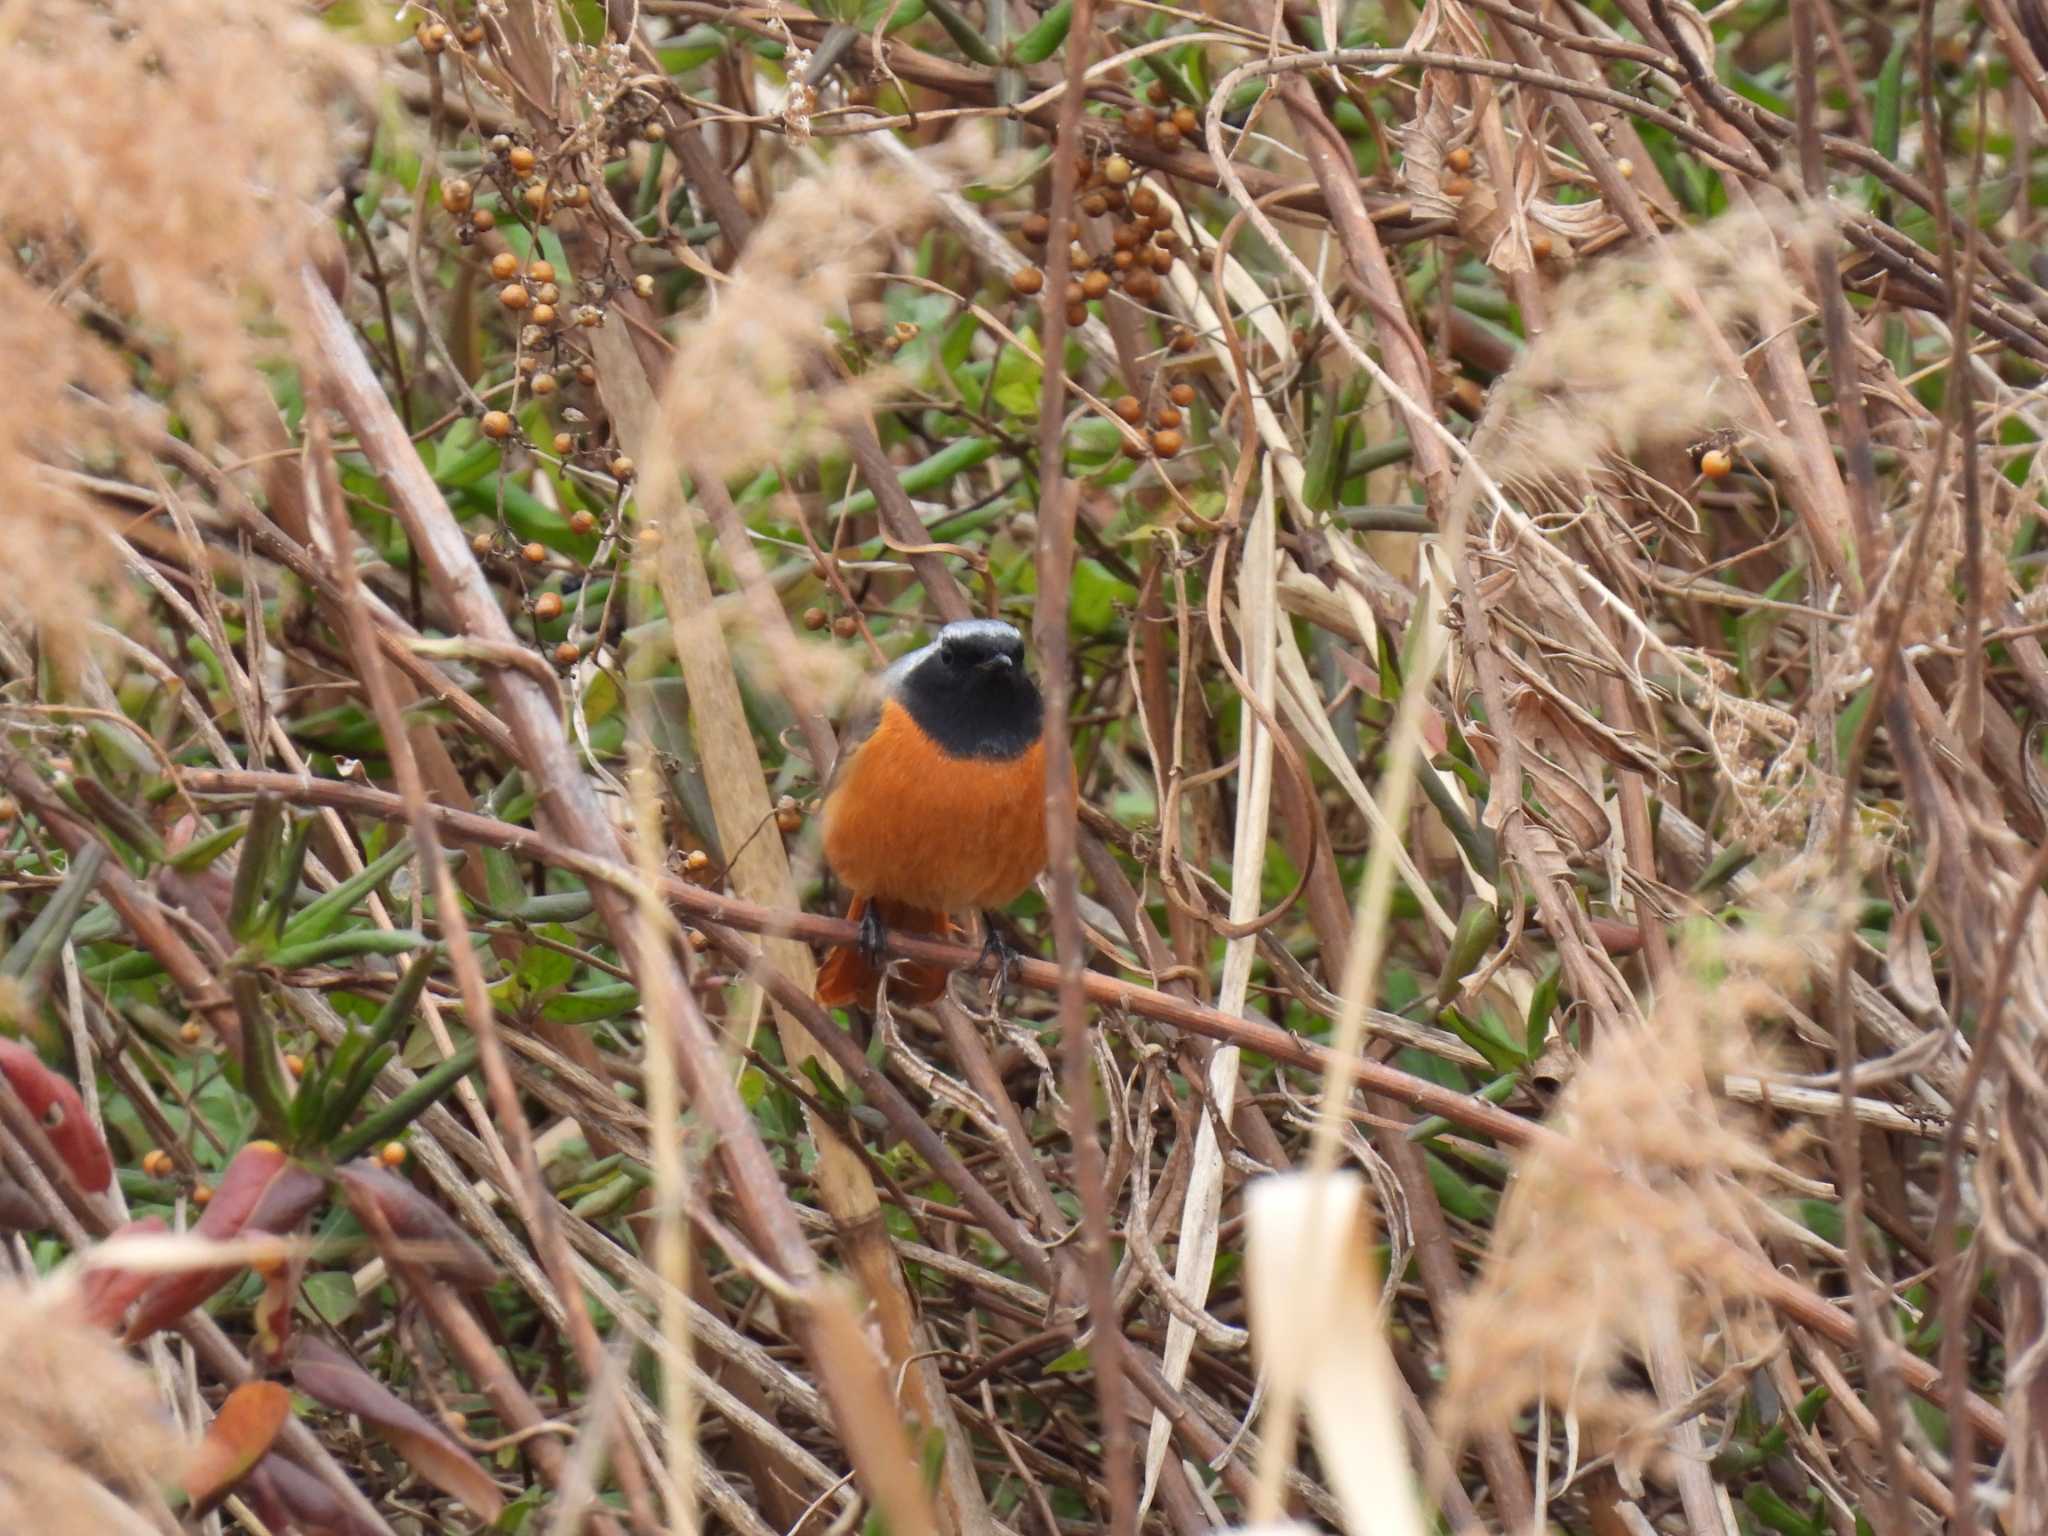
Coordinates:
<point>873,939</point>
<point>998,948</point>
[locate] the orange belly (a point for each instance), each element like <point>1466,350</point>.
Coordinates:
<point>908,824</point>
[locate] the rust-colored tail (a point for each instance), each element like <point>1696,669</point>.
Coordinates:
<point>845,980</point>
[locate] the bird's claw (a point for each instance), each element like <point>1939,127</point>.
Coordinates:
<point>873,939</point>
<point>995,947</point>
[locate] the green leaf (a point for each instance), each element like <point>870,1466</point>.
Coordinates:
<point>266,823</point>
<point>1072,1362</point>
<point>1019,378</point>
<point>591,1004</point>
<point>331,1294</point>
<point>320,916</point>
<point>344,946</point>
<point>543,968</point>
<point>1037,45</point>
<point>1543,1003</point>
<point>198,856</point>
<point>433,1086</point>
<point>962,31</point>
<point>1096,594</point>
<point>1457,1195</point>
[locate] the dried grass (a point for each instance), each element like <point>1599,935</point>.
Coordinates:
<point>1627,367</point>
<point>1585,1262</point>
<point>82,1420</point>
<point>737,389</point>
<point>178,147</point>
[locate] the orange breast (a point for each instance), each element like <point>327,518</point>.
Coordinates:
<point>909,824</point>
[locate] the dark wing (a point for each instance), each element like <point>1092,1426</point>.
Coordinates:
<point>865,713</point>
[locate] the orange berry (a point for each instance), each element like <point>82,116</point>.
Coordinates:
<point>456,194</point>
<point>1459,159</point>
<point>1027,281</point>
<point>622,468</point>
<point>816,619</point>
<point>504,266</point>
<point>295,1064</point>
<point>156,1162</point>
<point>544,314</point>
<point>564,444</point>
<point>191,1033</point>
<point>846,626</point>
<point>544,384</point>
<point>391,1154</point>
<point>1185,120</point>
<point>514,296</point>
<point>202,1193</point>
<point>547,606</point>
<point>496,424</point>
<point>534,553</point>
<point>1036,228</point>
<point>1182,394</point>
<point>583,521</point>
<point>1131,408</point>
<point>1166,444</point>
<point>1095,285</point>
<point>483,218</point>
<point>1166,418</point>
<point>1716,464</point>
<point>567,654</point>
<point>520,158</point>
<point>541,271</point>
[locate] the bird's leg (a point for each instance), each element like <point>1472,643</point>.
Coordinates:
<point>995,946</point>
<point>873,939</point>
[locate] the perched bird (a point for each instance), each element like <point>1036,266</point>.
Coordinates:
<point>937,803</point>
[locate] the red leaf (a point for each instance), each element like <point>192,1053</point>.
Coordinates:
<point>61,1112</point>
<point>285,1495</point>
<point>415,1221</point>
<point>327,1376</point>
<point>239,1436</point>
<point>107,1293</point>
<point>19,1211</point>
<point>263,1191</point>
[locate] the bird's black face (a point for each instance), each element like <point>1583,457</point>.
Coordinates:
<point>970,693</point>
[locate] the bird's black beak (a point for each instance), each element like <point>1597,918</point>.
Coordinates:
<point>1000,663</point>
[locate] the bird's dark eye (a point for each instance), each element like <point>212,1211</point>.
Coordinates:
<point>53,1117</point>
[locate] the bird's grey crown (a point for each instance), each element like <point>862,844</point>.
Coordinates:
<point>977,640</point>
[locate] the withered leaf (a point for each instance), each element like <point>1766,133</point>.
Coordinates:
<point>327,1376</point>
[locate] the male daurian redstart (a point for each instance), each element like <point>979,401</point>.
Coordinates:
<point>937,803</point>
